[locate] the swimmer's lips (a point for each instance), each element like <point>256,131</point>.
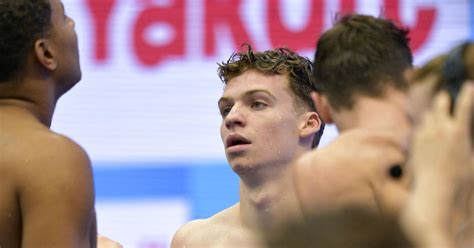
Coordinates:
<point>236,143</point>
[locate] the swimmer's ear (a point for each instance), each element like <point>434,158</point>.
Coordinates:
<point>310,125</point>
<point>322,104</point>
<point>44,55</point>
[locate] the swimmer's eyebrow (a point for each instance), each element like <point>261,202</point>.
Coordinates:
<point>223,100</point>
<point>256,91</point>
<point>247,94</point>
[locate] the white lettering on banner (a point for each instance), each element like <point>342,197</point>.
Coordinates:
<point>229,14</point>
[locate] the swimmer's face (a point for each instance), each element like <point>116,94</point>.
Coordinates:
<point>259,121</point>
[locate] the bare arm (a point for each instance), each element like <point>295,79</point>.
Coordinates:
<point>56,196</point>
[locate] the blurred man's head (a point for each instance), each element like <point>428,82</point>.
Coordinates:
<point>444,72</point>
<point>361,56</point>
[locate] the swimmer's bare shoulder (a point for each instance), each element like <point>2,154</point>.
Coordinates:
<point>46,193</point>
<point>221,230</point>
<point>350,170</point>
<point>191,234</point>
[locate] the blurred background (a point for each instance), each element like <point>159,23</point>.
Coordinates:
<point>146,108</point>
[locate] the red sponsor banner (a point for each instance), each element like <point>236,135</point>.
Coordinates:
<point>229,14</point>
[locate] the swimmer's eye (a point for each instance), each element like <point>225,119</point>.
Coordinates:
<point>258,105</point>
<point>225,111</point>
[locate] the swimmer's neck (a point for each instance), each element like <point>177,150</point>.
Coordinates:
<point>265,206</point>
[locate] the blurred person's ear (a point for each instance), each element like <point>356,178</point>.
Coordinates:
<point>322,104</point>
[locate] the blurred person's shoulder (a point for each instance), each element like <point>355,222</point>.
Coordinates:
<point>356,152</point>
<point>362,148</point>
<point>345,170</point>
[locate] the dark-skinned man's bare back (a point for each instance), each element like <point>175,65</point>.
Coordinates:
<point>46,184</point>
<point>46,193</point>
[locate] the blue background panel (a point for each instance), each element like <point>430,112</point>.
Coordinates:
<point>471,5</point>
<point>209,187</point>
<point>213,189</point>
